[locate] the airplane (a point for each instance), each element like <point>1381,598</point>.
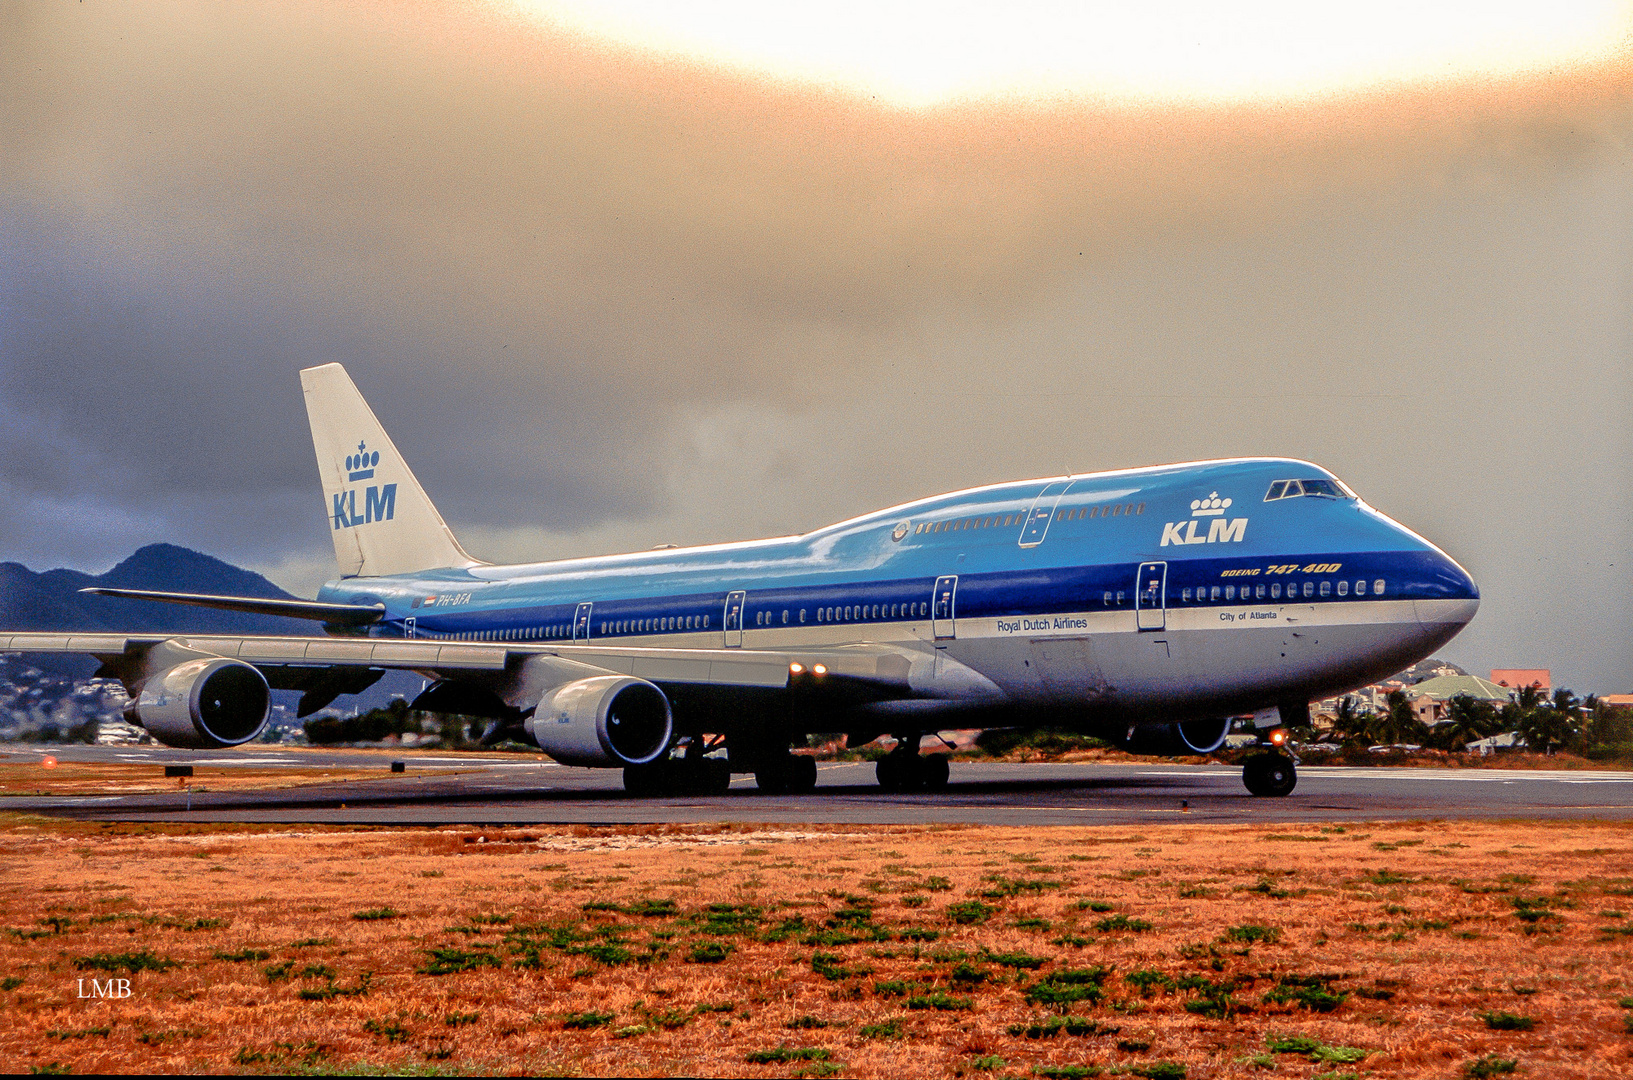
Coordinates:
<point>1149,607</point>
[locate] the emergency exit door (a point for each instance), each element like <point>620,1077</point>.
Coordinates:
<point>1151,596</point>
<point>942,602</point>
<point>581,622</point>
<point>734,620</point>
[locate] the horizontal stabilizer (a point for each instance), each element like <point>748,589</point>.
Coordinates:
<point>333,614</point>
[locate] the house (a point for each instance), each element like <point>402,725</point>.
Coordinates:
<point>1430,696</point>
<point>1515,678</point>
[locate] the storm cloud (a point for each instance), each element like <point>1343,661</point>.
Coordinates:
<point>604,299</point>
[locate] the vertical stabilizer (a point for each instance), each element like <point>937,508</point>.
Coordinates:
<point>380,518</point>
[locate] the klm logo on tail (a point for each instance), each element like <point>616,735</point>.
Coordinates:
<point>1220,531</point>
<point>379,502</point>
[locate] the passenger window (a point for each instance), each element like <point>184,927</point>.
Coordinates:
<point>1119,597</point>
<point>1230,592</point>
<point>785,616</point>
<point>1105,599</point>
<point>705,622</point>
<point>1378,587</point>
<point>1326,588</point>
<point>1116,510</point>
<point>1185,596</point>
<point>1213,593</point>
<point>1275,591</point>
<point>1140,509</point>
<point>802,616</point>
<point>1309,588</point>
<point>1343,588</point>
<point>1259,592</point>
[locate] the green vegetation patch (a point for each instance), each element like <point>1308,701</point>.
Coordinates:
<point>1061,988</point>
<point>1490,1065</point>
<point>1014,959</point>
<point>581,1021</point>
<point>448,961</point>
<point>132,962</point>
<point>1118,923</point>
<point>970,912</point>
<point>1507,1021</point>
<point>1253,934</point>
<point>781,1054</point>
<point>710,952</point>
<point>376,914</point>
<point>244,956</point>
<point>885,1029</point>
<point>941,1002</point>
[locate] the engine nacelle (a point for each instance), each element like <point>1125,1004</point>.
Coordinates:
<point>203,704</point>
<point>604,720</point>
<point>1178,740</point>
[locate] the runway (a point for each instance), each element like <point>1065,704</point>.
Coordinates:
<point>495,788</point>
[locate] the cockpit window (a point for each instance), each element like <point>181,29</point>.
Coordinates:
<point>1292,489</point>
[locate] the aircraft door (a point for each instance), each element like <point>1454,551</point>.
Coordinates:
<point>734,619</point>
<point>581,622</point>
<point>1036,524</point>
<point>408,627</point>
<point>1151,596</point>
<point>942,623</point>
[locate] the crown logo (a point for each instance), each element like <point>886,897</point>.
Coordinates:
<point>1212,506</point>
<point>360,466</point>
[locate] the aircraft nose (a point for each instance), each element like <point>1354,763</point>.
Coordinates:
<point>1447,598</point>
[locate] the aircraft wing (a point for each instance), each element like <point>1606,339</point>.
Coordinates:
<point>341,665</point>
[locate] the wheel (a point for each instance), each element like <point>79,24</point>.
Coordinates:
<point>935,772</point>
<point>1270,775</point>
<point>802,775</point>
<point>772,779</point>
<point>888,770</point>
<point>645,781</point>
<point>900,772</point>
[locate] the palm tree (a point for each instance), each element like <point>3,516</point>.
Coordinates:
<point>1350,724</point>
<point>1467,719</point>
<point>1399,724</point>
<point>1552,725</point>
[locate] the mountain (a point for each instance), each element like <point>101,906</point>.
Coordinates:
<point>52,601</point>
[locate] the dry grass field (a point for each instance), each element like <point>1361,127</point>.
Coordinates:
<point>1392,950</point>
<point>120,778</point>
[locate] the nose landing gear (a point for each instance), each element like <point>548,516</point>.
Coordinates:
<point>1270,774</point>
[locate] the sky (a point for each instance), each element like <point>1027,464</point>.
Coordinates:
<point>616,274</point>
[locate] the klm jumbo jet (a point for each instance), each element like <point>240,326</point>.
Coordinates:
<point>1149,607</point>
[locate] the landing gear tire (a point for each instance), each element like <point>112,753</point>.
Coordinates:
<point>1270,775</point>
<point>645,781</point>
<point>802,775</point>
<point>669,776</point>
<point>900,772</point>
<point>935,772</point>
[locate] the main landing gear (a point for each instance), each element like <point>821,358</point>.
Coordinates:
<point>786,774</point>
<point>689,774</point>
<point>1270,773</point>
<point>904,769</point>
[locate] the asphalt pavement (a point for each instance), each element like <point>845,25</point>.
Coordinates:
<point>504,788</point>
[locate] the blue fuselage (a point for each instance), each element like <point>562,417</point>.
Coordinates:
<point>1180,588</point>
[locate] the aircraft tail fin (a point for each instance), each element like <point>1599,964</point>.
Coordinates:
<point>381,520</point>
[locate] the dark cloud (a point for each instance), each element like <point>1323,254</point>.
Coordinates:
<point>604,300</point>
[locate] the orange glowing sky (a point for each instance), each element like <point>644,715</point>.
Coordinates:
<point>925,52</point>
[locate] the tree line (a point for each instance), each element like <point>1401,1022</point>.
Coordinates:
<point>1547,723</point>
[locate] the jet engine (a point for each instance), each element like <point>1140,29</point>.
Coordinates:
<point>604,720</point>
<point>1177,740</point>
<point>203,704</point>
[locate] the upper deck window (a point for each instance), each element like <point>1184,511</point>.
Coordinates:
<point>1292,489</point>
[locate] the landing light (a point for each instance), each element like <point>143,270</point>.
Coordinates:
<point>819,669</point>
<point>1278,736</point>
<point>795,668</point>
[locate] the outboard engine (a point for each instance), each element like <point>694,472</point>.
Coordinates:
<point>203,704</point>
<point>604,720</point>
